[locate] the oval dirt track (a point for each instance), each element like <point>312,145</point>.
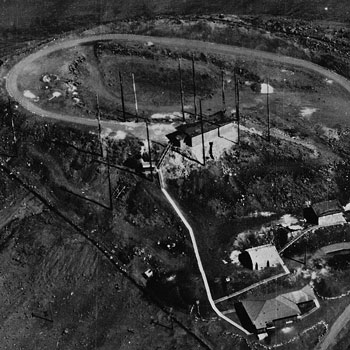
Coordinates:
<point>205,47</point>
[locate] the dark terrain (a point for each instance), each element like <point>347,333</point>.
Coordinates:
<point>19,13</point>
<point>71,275</point>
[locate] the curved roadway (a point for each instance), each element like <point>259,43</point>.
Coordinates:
<point>330,340</point>
<point>205,47</point>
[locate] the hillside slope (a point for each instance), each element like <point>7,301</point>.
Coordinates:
<point>19,13</point>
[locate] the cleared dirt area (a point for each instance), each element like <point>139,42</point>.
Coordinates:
<point>298,94</point>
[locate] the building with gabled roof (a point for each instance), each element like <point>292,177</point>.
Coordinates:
<point>191,134</point>
<point>261,257</point>
<point>257,316</point>
<point>324,213</point>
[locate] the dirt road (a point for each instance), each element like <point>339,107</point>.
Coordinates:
<point>329,342</point>
<point>205,47</point>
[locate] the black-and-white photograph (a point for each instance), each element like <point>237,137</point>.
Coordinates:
<point>174,175</point>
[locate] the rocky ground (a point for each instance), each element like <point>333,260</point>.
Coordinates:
<point>73,268</point>
<point>60,290</point>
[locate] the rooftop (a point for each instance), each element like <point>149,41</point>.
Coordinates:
<point>265,252</point>
<point>299,296</point>
<point>327,208</point>
<point>262,312</point>
<point>194,129</point>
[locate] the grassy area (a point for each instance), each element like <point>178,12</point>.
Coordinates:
<point>319,238</point>
<point>75,274</point>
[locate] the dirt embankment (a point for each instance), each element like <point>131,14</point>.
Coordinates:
<point>58,290</point>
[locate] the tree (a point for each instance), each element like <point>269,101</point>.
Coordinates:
<point>342,179</point>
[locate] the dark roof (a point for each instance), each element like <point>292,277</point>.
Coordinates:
<point>194,129</point>
<point>327,208</point>
<point>262,312</point>
<point>176,135</point>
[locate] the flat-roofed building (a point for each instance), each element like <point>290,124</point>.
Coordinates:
<point>325,213</point>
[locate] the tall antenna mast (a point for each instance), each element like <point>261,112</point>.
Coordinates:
<point>149,148</point>
<point>12,123</point>
<point>122,94</point>
<point>135,96</point>
<point>223,91</point>
<point>237,107</point>
<point>194,87</point>
<point>13,129</point>
<point>268,110</point>
<point>202,129</point>
<point>181,92</point>
<point>109,183</point>
<point>98,116</point>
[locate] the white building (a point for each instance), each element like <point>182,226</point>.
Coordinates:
<point>324,213</point>
<point>261,257</point>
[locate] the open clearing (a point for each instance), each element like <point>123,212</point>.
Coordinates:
<point>298,84</point>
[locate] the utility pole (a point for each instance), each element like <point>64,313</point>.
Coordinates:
<point>122,94</point>
<point>149,148</point>
<point>13,129</point>
<point>182,92</point>
<point>10,111</point>
<point>268,110</point>
<point>135,96</point>
<point>98,116</point>
<point>194,87</point>
<point>202,129</point>
<point>237,107</point>
<point>14,137</point>
<point>223,91</point>
<point>109,183</point>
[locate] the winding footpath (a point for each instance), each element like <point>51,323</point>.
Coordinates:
<point>198,258</point>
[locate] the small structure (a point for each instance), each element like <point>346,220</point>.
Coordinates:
<point>191,134</point>
<point>147,274</point>
<point>266,89</point>
<point>147,166</point>
<point>324,213</point>
<point>206,138</point>
<point>261,257</point>
<point>258,316</point>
